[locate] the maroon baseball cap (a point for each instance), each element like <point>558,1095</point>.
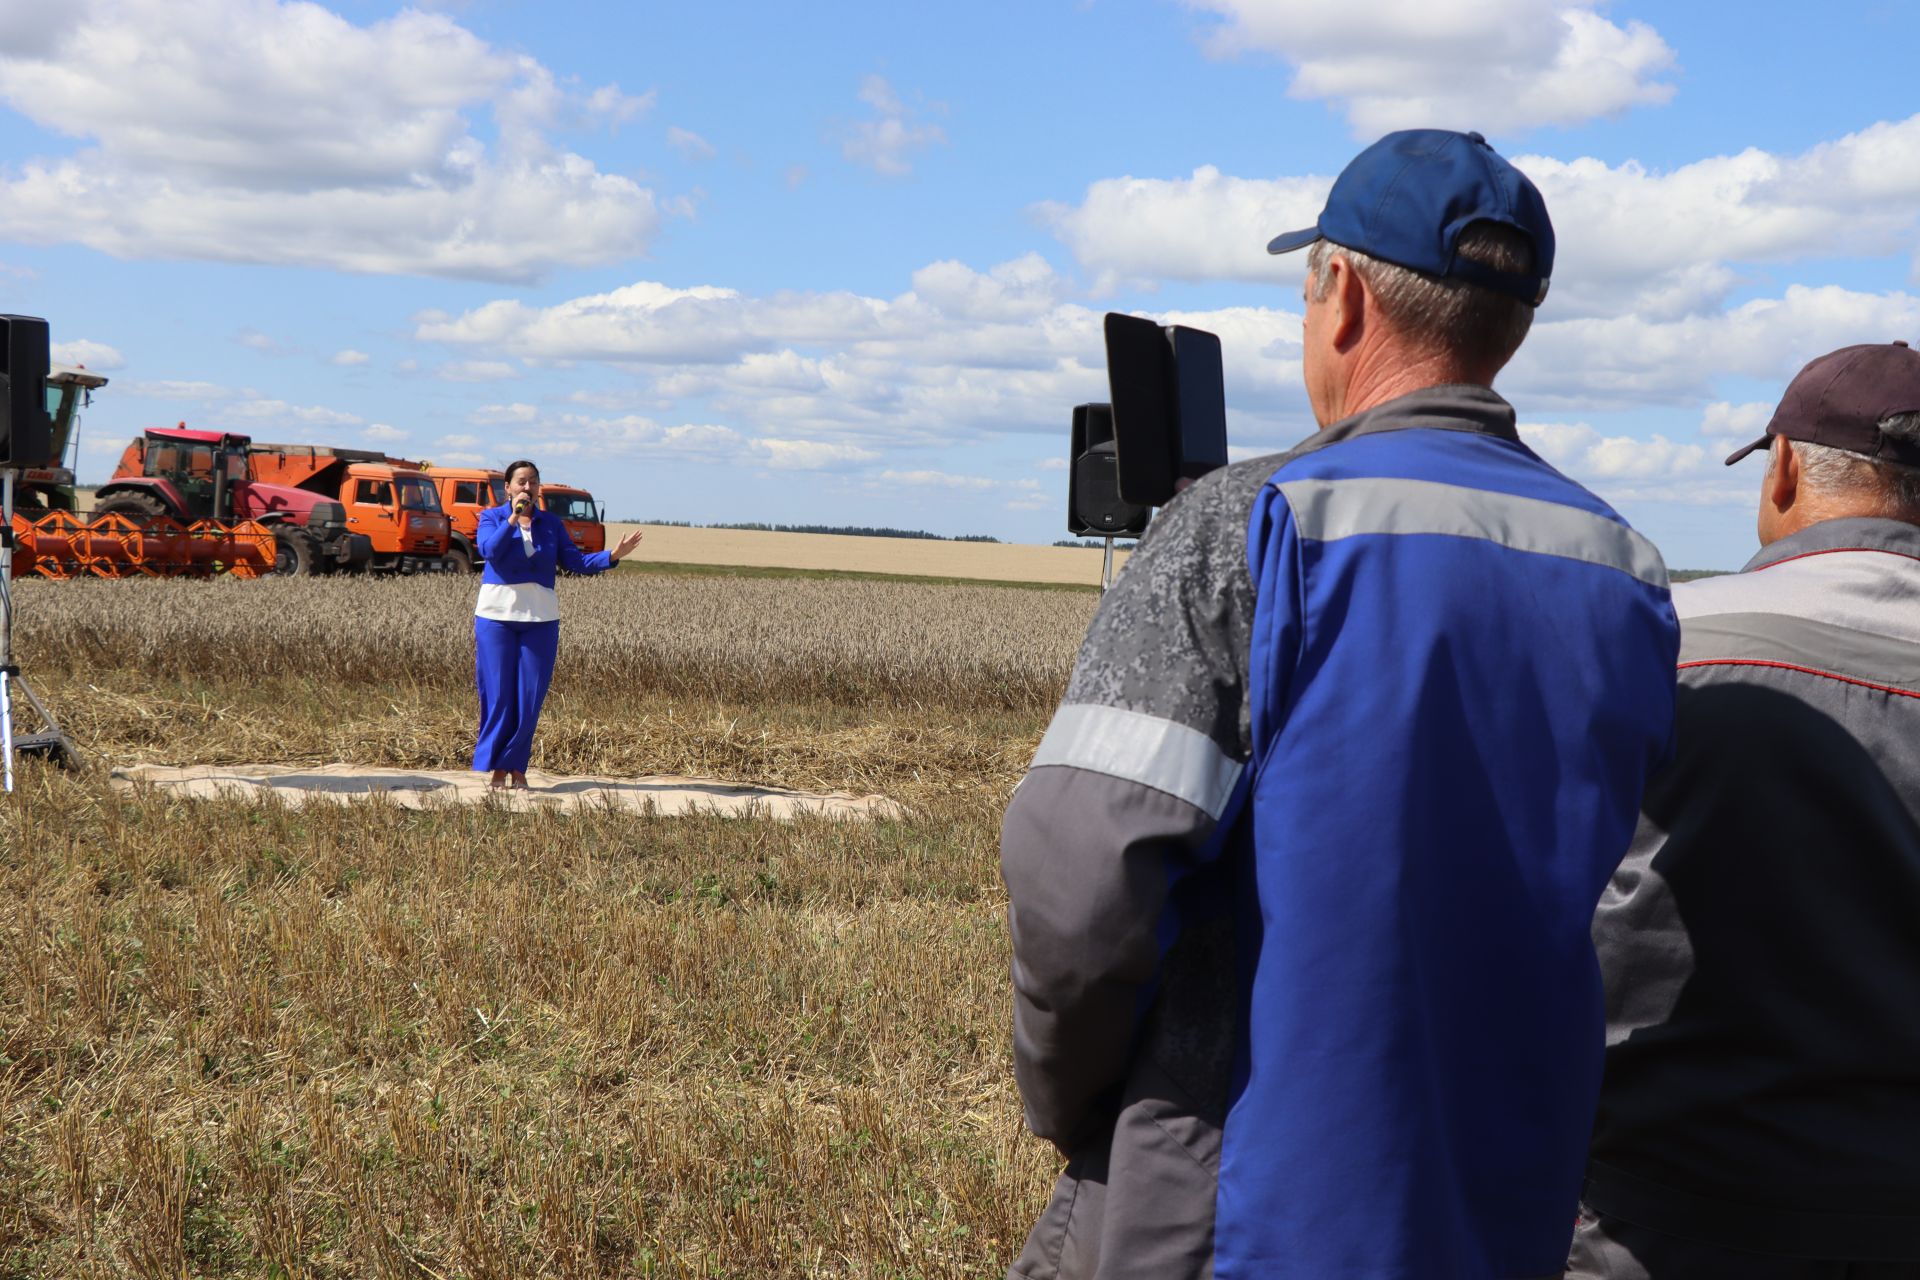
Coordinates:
<point>1840,400</point>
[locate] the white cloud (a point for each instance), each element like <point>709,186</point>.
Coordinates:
<point>608,103</point>
<point>811,455</point>
<point>887,142</point>
<point>1207,227</point>
<point>244,408</point>
<point>381,433</point>
<point>1017,290</point>
<point>1492,65</point>
<point>275,131</point>
<point>503,414</point>
<point>1659,245</point>
<point>476,371</point>
<point>174,389</point>
<point>254,340</point>
<point>1640,360</point>
<point>1622,468</point>
<point>938,480</point>
<point>1735,422</point>
<point>689,144</point>
<point>968,354</point>
<point>963,352</point>
<point>254,410</point>
<point>1579,449</point>
<point>96,356</point>
<point>349,358</point>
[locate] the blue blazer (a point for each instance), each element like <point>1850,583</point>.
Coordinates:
<point>507,559</point>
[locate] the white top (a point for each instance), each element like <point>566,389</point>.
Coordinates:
<point>518,601</point>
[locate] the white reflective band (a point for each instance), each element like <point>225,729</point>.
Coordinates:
<point>1169,757</point>
<point>1324,510</point>
<point>1872,591</point>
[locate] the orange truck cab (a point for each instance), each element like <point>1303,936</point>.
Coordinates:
<point>585,520</point>
<point>464,493</point>
<point>393,503</point>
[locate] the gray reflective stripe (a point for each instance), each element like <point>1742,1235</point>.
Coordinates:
<point>1801,642</point>
<point>1324,510</point>
<point>1861,590</point>
<point>1161,754</point>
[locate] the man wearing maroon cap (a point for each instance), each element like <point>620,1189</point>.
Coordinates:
<point>1760,1116</point>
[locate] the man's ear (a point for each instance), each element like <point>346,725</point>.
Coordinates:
<point>1348,294</point>
<point>1783,480</point>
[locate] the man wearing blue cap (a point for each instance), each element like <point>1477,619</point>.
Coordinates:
<point>1301,878</point>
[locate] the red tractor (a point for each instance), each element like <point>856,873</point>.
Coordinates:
<point>188,476</point>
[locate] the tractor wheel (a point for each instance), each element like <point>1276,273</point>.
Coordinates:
<point>293,553</point>
<point>141,508</point>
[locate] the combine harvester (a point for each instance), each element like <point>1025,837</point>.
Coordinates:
<point>130,539</point>
<point>194,503</point>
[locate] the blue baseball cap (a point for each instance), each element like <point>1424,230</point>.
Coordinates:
<point>1407,198</point>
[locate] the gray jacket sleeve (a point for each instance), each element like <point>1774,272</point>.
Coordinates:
<point>1128,789</point>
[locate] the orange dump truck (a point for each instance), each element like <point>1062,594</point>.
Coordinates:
<point>584,519</point>
<point>467,491</point>
<point>464,493</point>
<point>393,503</point>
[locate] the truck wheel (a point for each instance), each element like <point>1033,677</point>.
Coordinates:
<point>459,559</point>
<point>141,508</point>
<point>293,553</point>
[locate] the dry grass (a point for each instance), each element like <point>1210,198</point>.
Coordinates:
<point>369,1042</point>
<point>851,642</point>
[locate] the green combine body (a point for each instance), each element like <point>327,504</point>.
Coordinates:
<point>69,390</point>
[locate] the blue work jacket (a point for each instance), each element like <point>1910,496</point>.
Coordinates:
<point>507,561</point>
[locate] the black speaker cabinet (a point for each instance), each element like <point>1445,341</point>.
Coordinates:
<point>1095,508</point>
<point>26,432</point>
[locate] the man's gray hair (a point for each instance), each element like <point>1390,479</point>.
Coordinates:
<point>1840,470</point>
<point>1480,327</point>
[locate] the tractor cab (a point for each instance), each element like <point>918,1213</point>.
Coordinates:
<point>188,475</point>
<point>200,465</point>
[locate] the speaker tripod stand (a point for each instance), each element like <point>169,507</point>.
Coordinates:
<point>52,740</point>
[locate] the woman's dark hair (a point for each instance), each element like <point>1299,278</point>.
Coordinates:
<point>514,466</point>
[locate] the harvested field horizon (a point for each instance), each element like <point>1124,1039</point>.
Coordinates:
<point>364,1041</point>
<point>915,557</point>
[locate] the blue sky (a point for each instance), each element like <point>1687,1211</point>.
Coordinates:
<point>845,263</point>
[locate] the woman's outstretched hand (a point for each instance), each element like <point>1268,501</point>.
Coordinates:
<point>626,544</point>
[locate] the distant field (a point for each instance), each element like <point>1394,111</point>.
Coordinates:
<point>914,557</point>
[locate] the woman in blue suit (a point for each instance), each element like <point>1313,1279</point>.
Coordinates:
<point>516,624</point>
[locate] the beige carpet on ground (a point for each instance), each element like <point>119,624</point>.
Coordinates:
<point>420,788</point>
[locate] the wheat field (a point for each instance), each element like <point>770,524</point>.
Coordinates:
<point>241,1041</point>
<point>917,557</point>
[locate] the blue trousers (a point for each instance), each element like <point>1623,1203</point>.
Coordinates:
<point>512,665</point>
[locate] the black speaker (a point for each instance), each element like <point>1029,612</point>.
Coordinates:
<point>1095,508</point>
<point>1169,405</point>
<point>26,432</point>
